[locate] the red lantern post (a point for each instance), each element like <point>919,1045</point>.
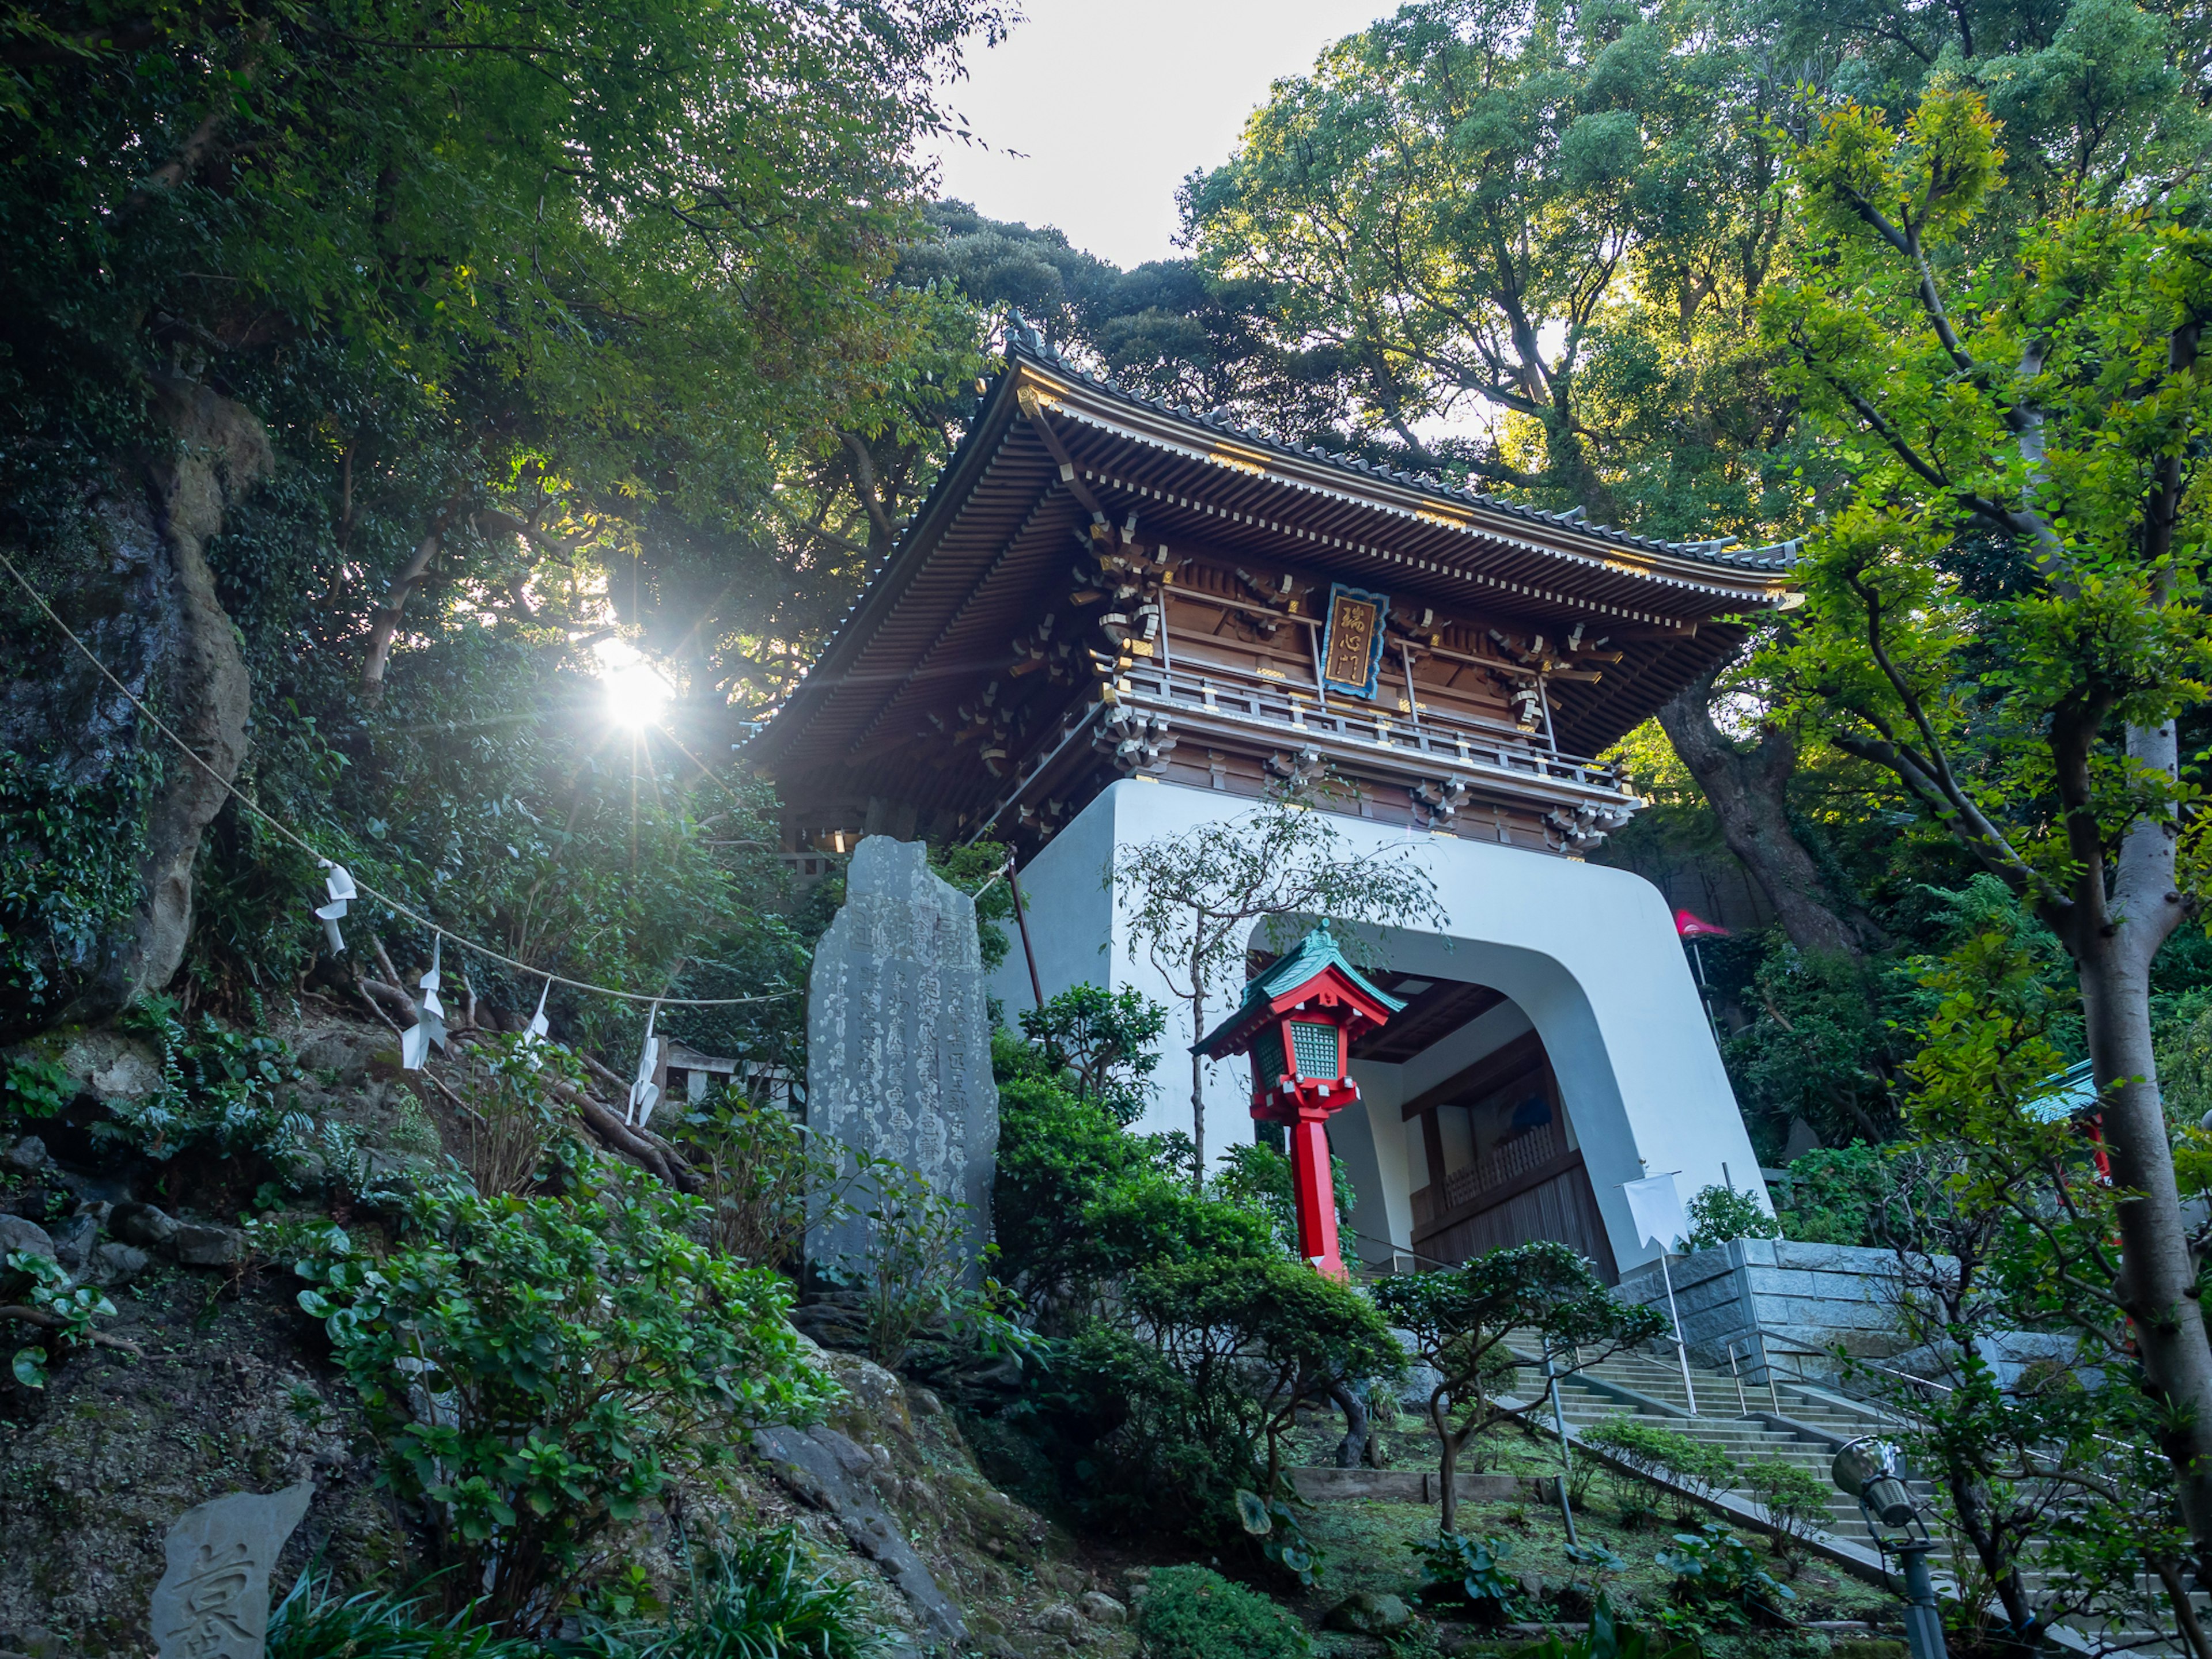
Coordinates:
<point>1298,1020</point>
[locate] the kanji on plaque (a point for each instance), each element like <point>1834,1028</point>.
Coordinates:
<point>1352,642</point>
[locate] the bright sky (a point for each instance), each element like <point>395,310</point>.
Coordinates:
<point>1110,105</point>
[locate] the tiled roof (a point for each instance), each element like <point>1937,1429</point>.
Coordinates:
<point>1023,341</point>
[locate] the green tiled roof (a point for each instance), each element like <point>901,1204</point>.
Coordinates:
<point>1315,952</point>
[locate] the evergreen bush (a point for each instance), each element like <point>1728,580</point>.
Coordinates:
<point>541,1369</point>
<point>1654,1454</point>
<point>1192,1613</point>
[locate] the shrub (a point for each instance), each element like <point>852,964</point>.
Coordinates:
<point>219,1088</point>
<point>32,1090</point>
<point>1259,1178</point>
<point>1191,1612</point>
<point>513,1121</point>
<point>1104,1043</point>
<point>1607,1638</point>
<point>762,1169</point>
<point>1796,1499</point>
<point>1718,1214</point>
<point>1158,1423</point>
<point>1718,1580</point>
<point>539,1370</point>
<point>1653,1453</point>
<point>764,1599</point>
<point>1839,1195</point>
<point>1079,1204</point>
<point>1472,1570</point>
<point>1257,1339</point>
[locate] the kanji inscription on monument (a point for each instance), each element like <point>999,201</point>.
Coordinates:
<point>898,1044</point>
<point>213,1602</point>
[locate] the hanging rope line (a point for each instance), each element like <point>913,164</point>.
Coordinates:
<point>285,832</point>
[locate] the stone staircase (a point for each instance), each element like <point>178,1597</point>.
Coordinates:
<point>1747,1427</point>
<point>1796,1422</point>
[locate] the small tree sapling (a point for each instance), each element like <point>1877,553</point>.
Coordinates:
<point>1192,900</point>
<point>1460,1319</point>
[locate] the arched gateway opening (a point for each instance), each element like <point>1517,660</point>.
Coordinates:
<point>1491,1156</point>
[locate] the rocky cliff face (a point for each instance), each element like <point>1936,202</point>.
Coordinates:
<point>230,1389</point>
<point>129,575</point>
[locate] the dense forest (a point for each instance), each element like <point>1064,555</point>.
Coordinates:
<point>383,382</point>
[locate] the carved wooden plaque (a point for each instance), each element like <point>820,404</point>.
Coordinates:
<point>1352,643</point>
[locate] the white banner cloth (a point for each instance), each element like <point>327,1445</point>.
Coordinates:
<point>1656,1206</point>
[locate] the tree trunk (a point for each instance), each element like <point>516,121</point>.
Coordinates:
<point>1448,1459</point>
<point>386,623</point>
<point>1997,1561</point>
<point>1197,1081</point>
<point>164,519</point>
<point>1352,1450</point>
<point>1746,787</point>
<point>2113,954</point>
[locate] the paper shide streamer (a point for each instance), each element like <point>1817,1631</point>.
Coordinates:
<point>429,1024</point>
<point>645,1092</point>
<point>339,891</point>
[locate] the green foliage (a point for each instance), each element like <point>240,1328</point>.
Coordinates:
<point>515,1120</point>
<point>1555,213</point>
<point>1156,1418</point>
<point>1191,1612</point>
<point>764,1598</point>
<point>1256,1176</point>
<point>39,1282</point>
<point>1838,1195</point>
<point>219,1087</point>
<point>1796,1499</point>
<point>1608,1638</point>
<point>1654,1453</point>
<point>764,1172</point>
<point>539,1370</point>
<point>1719,1213</point>
<point>1462,1319</point>
<point>316,1619</point>
<point>69,853</point>
<point>971,868</point>
<point>1252,1340</point>
<point>1079,1204</point>
<point>1472,1570</point>
<point>1718,1582</point>
<point>1108,1042</point>
<point>1282,1542</point>
<point>911,1273</point>
<point>1821,1044</point>
<point>33,1089</point>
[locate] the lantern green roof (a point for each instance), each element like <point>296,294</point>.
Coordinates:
<point>1317,952</point>
<point>2065,1094</point>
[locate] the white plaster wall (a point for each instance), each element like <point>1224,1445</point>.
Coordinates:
<point>1366,1136</point>
<point>1588,955</point>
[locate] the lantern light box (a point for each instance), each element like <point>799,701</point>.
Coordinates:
<point>1297,1021</point>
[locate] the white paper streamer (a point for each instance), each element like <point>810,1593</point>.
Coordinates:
<point>429,1024</point>
<point>534,1033</point>
<point>644,1093</point>
<point>339,888</point>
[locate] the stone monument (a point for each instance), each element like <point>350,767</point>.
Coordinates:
<point>898,1038</point>
<point>213,1602</point>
